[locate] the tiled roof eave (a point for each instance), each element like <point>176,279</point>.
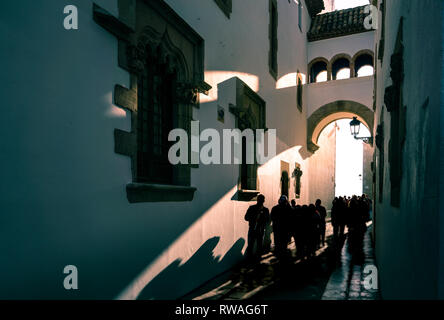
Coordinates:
<point>337,24</point>
<point>325,36</point>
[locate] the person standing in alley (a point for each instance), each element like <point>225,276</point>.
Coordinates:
<point>257,216</point>
<point>323,215</point>
<point>342,216</point>
<point>298,227</point>
<point>314,227</point>
<point>334,219</point>
<point>280,215</point>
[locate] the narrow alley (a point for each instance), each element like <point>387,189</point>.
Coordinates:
<point>334,273</point>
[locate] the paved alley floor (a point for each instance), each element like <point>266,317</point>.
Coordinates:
<point>335,273</point>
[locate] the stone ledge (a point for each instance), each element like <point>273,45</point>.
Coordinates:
<point>246,195</point>
<point>144,192</point>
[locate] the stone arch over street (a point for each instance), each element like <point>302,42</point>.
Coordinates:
<point>334,111</point>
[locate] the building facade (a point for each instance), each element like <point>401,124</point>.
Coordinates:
<point>408,102</point>
<point>86,179</point>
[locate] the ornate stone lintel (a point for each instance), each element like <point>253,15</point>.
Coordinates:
<point>135,59</point>
<point>188,93</point>
<point>312,147</point>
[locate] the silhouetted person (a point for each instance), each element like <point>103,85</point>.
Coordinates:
<point>298,227</point>
<point>356,223</point>
<point>292,223</point>
<point>280,216</point>
<point>304,231</point>
<point>258,217</point>
<point>314,225</point>
<point>342,215</point>
<point>334,218</point>
<point>291,227</point>
<point>323,215</point>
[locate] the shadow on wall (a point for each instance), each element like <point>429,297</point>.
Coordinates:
<point>176,280</point>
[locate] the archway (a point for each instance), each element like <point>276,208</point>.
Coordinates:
<point>333,111</point>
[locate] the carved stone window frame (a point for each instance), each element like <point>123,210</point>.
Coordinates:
<point>226,6</point>
<point>299,92</point>
<point>244,114</point>
<point>381,46</point>
<point>273,38</point>
<point>131,45</point>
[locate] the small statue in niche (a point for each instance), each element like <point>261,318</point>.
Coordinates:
<point>297,174</point>
<point>284,183</point>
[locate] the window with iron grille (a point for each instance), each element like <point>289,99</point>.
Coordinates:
<point>273,35</point>
<point>300,15</point>
<point>155,121</point>
<point>299,92</point>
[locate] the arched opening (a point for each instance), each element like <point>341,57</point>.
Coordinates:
<point>318,71</point>
<point>341,69</point>
<point>331,112</point>
<point>342,165</point>
<point>350,173</point>
<point>364,65</point>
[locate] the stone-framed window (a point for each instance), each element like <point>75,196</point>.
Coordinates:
<point>156,104</point>
<point>250,114</point>
<point>164,57</point>
<point>273,37</point>
<point>226,6</point>
<point>300,15</point>
<point>299,87</point>
<point>382,8</point>
<point>394,104</point>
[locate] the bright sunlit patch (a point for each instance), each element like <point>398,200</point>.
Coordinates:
<point>215,77</point>
<point>365,71</point>
<point>289,80</point>
<point>113,111</point>
<point>349,160</point>
<point>322,77</point>
<point>346,4</point>
<point>343,74</point>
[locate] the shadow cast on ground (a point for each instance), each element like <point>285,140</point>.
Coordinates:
<point>176,280</point>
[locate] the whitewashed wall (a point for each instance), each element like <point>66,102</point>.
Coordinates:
<point>350,45</point>
<point>322,168</point>
<point>409,247</point>
<point>354,89</point>
<point>63,195</point>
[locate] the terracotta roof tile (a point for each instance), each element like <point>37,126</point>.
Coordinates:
<point>337,23</point>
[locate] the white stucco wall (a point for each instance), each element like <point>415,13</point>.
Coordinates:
<point>408,242</point>
<point>354,89</point>
<point>350,45</point>
<point>322,168</point>
<point>63,195</point>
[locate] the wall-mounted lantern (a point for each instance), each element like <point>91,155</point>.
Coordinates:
<point>355,126</point>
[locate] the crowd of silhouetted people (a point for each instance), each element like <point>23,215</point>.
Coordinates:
<point>305,225</point>
<point>353,212</point>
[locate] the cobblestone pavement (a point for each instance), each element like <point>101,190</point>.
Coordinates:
<point>347,282</point>
<point>331,275</point>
